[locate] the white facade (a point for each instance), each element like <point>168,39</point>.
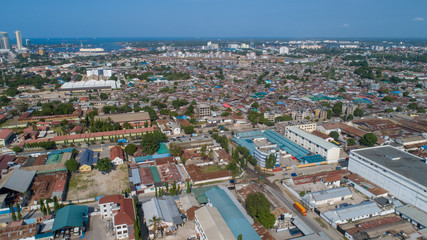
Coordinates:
<point>106,72</point>
<point>398,172</point>
<point>314,144</point>
<point>210,225</point>
<point>117,161</point>
<point>284,50</point>
<point>122,231</point>
<point>18,40</point>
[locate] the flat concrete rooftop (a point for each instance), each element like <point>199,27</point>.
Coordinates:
<point>403,163</point>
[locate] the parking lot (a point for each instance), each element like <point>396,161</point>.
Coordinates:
<point>99,229</point>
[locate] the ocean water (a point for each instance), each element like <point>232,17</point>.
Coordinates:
<point>74,44</point>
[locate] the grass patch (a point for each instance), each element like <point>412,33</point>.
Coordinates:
<point>211,168</point>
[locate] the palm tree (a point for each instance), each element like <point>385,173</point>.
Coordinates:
<point>156,223</point>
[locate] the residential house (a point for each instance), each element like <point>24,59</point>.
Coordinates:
<point>116,155</point>
<point>122,212</point>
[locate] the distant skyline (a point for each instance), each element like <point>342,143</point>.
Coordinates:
<point>215,19</point>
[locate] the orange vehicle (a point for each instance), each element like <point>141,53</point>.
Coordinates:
<point>300,208</point>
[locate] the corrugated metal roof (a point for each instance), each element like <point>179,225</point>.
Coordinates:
<point>155,174</point>
<point>235,220</point>
<point>331,193</point>
<point>353,211</point>
<point>70,216</point>
<point>414,213</point>
<point>136,178</point>
<point>20,180</point>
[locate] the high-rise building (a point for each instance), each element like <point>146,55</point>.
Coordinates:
<point>18,40</point>
<point>27,42</point>
<point>284,50</point>
<point>4,40</point>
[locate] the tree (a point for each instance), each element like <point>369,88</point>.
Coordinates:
<point>258,207</point>
<point>351,142</point>
<point>104,164</point>
<point>188,186</point>
<point>175,150</point>
<point>188,129</point>
<point>358,112</point>
<point>130,149</point>
<point>337,109</point>
<point>155,222</point>
<point>72,165</point>
<point>17,149</point>
<point>387,99</point>
<point>56,206</point>
<point>413,106</point>
<point>369,139</point>
<point>240,237</point>
<point>18,209</point>
<point>270,161</point>
<point>335,135</point>
<point>150,142</point>
<point>12,211</point>
<point>48,208</point>
<point>103,96</point>
<point>255,105</point>
<point>42,207</point>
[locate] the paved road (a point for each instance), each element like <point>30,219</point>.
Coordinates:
<point>288,202</point>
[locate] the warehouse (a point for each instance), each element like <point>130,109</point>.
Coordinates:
<point>351,213</point>
<point>210,225</point>
<point>400,173</point>
<point>329,196</point>
<point>90,84</point>
<point>314,144</point>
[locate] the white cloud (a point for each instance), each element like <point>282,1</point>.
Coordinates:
<point>418,19</point>
<point>346,25</point>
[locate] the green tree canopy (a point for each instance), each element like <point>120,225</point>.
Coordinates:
<point>369,139</point>
<point>104,164</point>
<point>130,149</point>
<point>72,165</point>
<point>335,135</point>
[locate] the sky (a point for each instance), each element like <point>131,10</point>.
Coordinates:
<point>215,18</point>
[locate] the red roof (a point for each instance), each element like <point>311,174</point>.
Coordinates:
<point>226,105</point>
<point>126,214</point>
<point>92,135</point>
<point>5,133</point>
<point>116,151</point>
<point>110,199</point>
<point>59,185</point>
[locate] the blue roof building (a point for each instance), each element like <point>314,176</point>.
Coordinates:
<point>236,221</point>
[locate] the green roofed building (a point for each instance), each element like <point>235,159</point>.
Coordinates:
<point>200,193</point>
<point>71,216</point>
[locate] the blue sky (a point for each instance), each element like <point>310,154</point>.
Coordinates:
<point>215,18</point>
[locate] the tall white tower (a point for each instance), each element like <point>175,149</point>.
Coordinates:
<point>4,40</point>
<point>18,40</point>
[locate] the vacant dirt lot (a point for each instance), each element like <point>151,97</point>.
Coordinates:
<point>94,184</point>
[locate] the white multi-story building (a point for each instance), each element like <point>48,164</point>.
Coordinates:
<point>106,72</point>
<point>18,40</point>
<point>121,210</point>
<point>314,144</point>
<point>263,151</point>
<point>284,50</point>
<point>210,225</point>
<point>309,127</point>
<point>399,172</point>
